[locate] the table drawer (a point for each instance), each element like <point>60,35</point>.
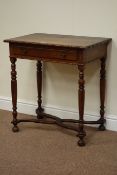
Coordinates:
<point>49,53</point>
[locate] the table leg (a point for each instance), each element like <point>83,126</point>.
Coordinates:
<point>81,92</point>
<point>14,93</point>
<point>39,88</point>
<point>102,92</point>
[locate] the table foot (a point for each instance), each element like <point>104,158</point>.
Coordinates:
<point>81,142</point>
<point>38,111</point>
<point>81,136</point>
<point>15,129</point>
<point>101,127</point>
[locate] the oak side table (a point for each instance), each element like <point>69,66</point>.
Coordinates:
<point>78,50</point>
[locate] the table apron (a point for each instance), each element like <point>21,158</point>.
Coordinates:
<point>44,53</point>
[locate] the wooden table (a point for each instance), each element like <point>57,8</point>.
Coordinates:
<point>67,49</point>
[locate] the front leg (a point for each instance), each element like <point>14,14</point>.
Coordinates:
<point>14,93</point>
<point>81,92</point>
<point>39,88</point>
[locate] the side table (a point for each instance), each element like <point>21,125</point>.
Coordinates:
<point>78,50</point>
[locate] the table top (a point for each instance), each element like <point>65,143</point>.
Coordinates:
<point>59,40</point>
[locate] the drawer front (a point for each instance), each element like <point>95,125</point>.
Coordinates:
<point>43,53</point>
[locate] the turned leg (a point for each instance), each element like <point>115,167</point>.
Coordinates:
<point>81,92</point>
<point>14,93</point>
<point>39,88</point>
<point>102,93</point>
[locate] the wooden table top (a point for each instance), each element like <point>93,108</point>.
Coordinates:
<point>59,40</point>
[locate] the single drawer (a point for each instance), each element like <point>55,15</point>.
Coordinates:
<point>46,53</point>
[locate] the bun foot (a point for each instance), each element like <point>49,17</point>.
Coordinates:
<point>38,111</point>
<point>81,143</point>
<point>15,129</point>
<point>102,127</point>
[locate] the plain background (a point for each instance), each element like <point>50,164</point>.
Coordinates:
<point>76,17</point>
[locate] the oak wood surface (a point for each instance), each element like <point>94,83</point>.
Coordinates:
<point>59,40</point>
